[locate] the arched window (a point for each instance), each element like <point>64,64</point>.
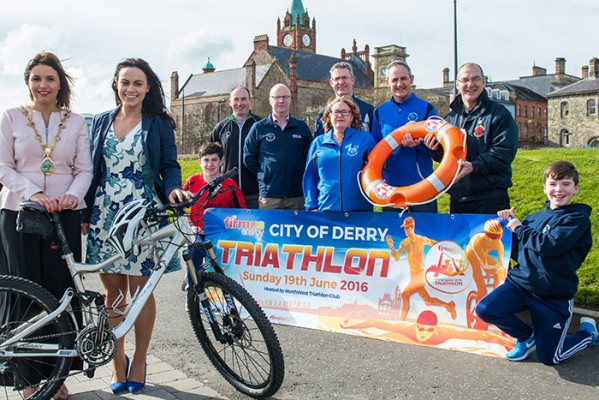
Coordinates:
<point>564,138</point>
<point>532,112</point>
<point>519,109</point>
<point>526,111</point>
<point>564,108</point>
<point>591,107</point>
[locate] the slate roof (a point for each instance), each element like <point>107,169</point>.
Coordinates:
<point>525,93</point>
<point>315,67</point>
<point>587,85</point>
<point>541,84</point>
<point>220,82</point>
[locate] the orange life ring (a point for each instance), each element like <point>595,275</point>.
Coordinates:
<point>454,149</point>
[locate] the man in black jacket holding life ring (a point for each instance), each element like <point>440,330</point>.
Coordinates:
<point>492,138</point>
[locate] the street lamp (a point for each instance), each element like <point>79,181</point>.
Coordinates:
<point>182,91</point>
<point>455,48</point>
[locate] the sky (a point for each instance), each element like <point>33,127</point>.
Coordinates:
<point>506,37</point>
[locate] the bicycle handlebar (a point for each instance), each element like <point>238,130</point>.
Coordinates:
<point>213,187</point>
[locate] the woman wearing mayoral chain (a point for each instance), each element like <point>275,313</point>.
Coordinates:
<point>44,157</point>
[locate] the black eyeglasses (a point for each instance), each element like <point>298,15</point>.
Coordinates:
<point>343,113</point>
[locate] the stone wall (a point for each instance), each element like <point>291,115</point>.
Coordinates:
<point>581,129</point>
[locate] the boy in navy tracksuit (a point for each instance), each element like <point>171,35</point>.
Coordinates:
<point>550,246</point>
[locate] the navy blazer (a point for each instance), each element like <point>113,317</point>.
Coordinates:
<point>158,140</point>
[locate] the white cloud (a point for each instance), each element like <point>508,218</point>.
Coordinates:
<point>19,45</point>
<point>191,52</point>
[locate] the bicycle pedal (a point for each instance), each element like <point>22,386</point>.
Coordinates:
<point>90,372</point>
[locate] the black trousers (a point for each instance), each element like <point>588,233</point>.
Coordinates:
<point>488,205</point>
<point>40,260</point>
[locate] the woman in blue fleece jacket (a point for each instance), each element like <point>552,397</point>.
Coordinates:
<point>334,160</point>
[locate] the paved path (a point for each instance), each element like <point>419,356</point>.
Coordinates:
<point>163,382</point>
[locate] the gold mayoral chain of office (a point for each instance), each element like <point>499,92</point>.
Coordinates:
<point>47,165</point>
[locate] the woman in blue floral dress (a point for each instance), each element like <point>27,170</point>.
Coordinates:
<point>133,156</point>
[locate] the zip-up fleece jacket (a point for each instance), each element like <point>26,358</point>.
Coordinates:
<point>278,156</point>
<point>549,247</point>
<point>331,177</point>
<point>226,132</point>
<point>406,165</point>
<point>492,139</point>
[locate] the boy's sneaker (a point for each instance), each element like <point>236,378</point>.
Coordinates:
<point>588,325</point>
<point>522,349</point>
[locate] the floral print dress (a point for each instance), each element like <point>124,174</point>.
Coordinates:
<point>126,176</point>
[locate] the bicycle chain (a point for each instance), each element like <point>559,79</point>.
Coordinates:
<point>29,339</point>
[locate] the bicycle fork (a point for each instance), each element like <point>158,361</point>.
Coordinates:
<point>230,317</point>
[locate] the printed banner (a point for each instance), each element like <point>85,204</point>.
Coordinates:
<point>413,279</point>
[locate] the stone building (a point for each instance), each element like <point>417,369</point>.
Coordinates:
<point>573,115</point>
<point>202,100</point>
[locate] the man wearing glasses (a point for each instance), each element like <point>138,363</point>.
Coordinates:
<point>492,138</point>
<point>275,150</point>
<point>342,81</point>
<point>412,161</point>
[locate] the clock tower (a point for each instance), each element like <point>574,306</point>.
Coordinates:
<point>296,33</point>
<point>382,57</point>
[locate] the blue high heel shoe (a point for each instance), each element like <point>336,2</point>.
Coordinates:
<point>120,387</point>
<point>135,387</point>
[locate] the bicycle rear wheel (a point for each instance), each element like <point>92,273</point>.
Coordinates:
<point>248,353</point>
<point>21,303</point>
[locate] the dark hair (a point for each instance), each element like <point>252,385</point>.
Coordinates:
<point>561,170</point>
<point>154,102</point>
<point>342,65</point>
<point>242,87</point>
<point>63,98</point>
<point>211,148</point>
<point>396,63</point>
<point>356,122</point>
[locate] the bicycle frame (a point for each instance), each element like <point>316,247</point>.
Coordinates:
<point>177,232</point>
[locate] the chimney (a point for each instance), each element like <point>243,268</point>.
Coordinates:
<point>593,67</point>
<point>445,76</point>
<point>261,43</point>
<point>560,69</point>
<point>585,71</point>
<point>250,80</point>
<point>174,85</point>
<point>538,71</point>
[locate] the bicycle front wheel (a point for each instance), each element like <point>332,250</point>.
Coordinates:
<point>243,345</point>
<point>36,377</point>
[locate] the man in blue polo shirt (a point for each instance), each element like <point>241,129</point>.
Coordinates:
<point>412,161</point>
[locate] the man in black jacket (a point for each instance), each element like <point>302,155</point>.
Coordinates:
<point>231,133</point>
<point>492,138</point>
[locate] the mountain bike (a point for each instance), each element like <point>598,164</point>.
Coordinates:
<point>40,335</point>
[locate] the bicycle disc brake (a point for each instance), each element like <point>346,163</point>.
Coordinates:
<point>96,346</point>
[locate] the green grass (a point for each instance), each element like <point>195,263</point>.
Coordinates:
<point>527,197</point>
